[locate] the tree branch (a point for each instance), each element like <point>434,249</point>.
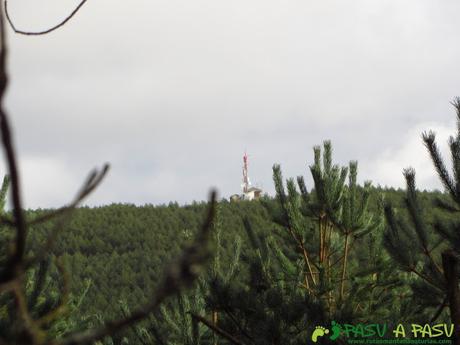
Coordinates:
<point>44,32</point>
<point>8,147</point>
<point>217,330</point>
<point>93,180</point>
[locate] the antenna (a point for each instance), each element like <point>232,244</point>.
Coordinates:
<point>245,173</point>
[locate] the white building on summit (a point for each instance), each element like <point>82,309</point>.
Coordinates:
<point>249,192</point>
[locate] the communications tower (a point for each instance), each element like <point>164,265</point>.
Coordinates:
<point>249,192</point>
<point>246,181</point>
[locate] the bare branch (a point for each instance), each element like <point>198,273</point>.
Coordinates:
<point>44,32</point>
<point>29,329</point>
<point>216,329</point>
<point>439,310</point>
<point>93,180</point>
<point>8,147</point>
<point>64,300</point>
<point>90,184</point>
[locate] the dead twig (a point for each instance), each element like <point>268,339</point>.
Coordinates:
<point>216,329</point>
<point>64,300</point>
<point>85,190</point>
<point>93,180</point>
<point>44,32</point>
<point>14,262</point>
<point>442,306</point>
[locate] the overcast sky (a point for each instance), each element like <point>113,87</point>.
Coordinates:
<point>172,92</point>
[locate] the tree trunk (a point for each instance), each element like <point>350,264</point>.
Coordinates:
<point>451,272</point>
<point>344,266</point>
<point>214,322</point>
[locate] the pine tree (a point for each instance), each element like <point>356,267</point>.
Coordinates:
<point>324,225</point>
<point>265,306</point>
<point>431,252</point>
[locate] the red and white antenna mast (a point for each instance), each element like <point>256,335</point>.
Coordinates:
<point>245,174</point>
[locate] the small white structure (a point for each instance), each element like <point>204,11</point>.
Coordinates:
<point>252,193</point>
<point>249,192</point>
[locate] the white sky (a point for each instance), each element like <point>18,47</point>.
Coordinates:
<point>171,92</point>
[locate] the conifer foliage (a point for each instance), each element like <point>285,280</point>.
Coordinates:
<point>431,252</point>
<point>326,226</point>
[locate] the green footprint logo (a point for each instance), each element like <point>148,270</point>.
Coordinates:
<point>318,332</point>
<point>336,329</point>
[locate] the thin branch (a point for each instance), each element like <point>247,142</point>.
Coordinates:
<point>90,184</point>
<point>39,282</point>
<point>64,300</point>
<point>307,261</point>
<point>29,328</point>
<point>439,310</point>
<point>240,327</point>
<point>44,32</point>
<point>7,221</point>
<point>216,329</point>
<point>430,144</point>
<point>8,147</point>
<point>424,277</point>
<point>93,180</point>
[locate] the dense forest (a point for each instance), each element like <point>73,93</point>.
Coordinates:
<point>340,252</point>
<point>121,248</point>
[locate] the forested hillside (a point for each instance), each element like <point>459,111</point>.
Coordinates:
<point>122,249</point>
<point>267,271</point>
<point>117,253</point>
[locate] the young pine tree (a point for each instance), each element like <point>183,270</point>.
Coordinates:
<point>431,252</point>
<point>329,228</point>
